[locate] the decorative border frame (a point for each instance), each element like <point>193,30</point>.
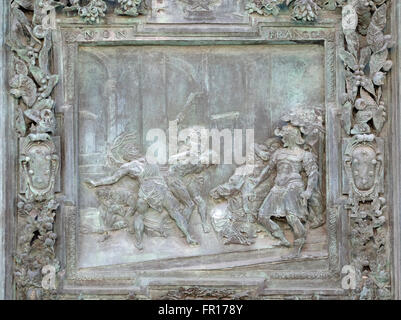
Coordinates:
<point>263,33</point>
<point>43,286</point>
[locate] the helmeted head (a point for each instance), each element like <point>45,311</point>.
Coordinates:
<point>290,135</point>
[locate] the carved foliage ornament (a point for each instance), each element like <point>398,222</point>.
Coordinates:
<point>31,84</point>
<point>190,293</point>
<point>303,10</point>
<point>366,63</point>
<point>92,10</point>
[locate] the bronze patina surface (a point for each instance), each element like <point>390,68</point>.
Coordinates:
<point>275,125</point>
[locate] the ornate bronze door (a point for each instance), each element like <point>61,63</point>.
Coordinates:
<point>183,149</point>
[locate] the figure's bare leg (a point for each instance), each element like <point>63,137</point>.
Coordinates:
<point>316,211</point>
<point>171,204</point>
<point>274,229</point>
<point>202,212</point>
<point>139,227</point>
<point>180,192</point>
<point>195,190</point>
<point>163,217</point>
<point>188,211</point>
<point>299,233</point>
<point>189,205</point>
<point>130,221</point>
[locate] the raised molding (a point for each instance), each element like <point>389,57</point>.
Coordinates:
<point>347,136</point>
<point>396,150</point>
<point>3,147</point>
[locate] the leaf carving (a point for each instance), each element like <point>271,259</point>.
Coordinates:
<point>353,42</point>
<point>21,18</point>
<point>379,18</point>
<point>352,88</point>
<point>367,84</point>
<point>348,59</point>
<point>368,98</point>
<point>44,53</point>
<point>20,125</point>
<point>378,118</point>
<point>375,38</point>
<point>37,73</point>
<point>53,79</point>
<point>43,104</point>
<point>363,21</point>
<point>377,61</point>
<point>26,4</point>
<point>332,4</point>
<point>347,116</point>
<point>20,67</point>
<point>375,35</point>
<point>23,86</point>
<point>365,56</point>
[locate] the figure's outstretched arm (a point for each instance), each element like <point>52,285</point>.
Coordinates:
<point>108,180</point>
